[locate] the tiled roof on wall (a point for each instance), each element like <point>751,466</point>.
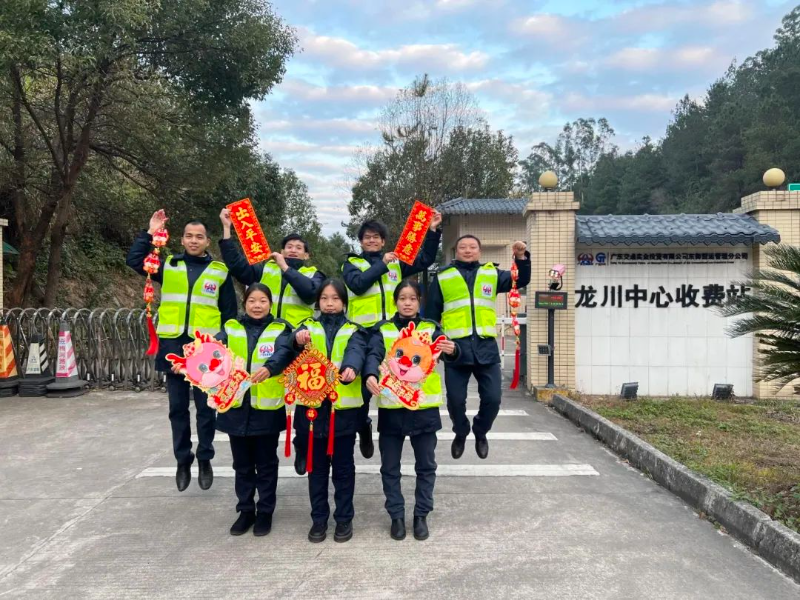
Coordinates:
<point>644,230</point>
<point>650,230</point>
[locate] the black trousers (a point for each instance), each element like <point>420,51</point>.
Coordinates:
<point>255,462</point>
<point>489,380</point>
<point>391,446</point>
<point>179,391</point>
<point>344,479</point>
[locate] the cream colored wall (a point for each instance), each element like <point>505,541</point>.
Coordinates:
<point>781,210</point>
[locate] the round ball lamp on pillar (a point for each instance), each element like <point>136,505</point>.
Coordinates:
<point>774,178</point>
<point>548,180</point>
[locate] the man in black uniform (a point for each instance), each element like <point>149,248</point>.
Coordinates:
<point>370,278</point>
<point>196,293</point>
<point>462,298</point>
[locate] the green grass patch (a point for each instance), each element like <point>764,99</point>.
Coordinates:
<point>750,447</point>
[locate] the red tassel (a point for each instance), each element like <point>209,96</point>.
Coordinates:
<point>515,379</point>
<point>310,455</point>
<point>288,449</point>
<point>331,432</point>
<point>153,349</point>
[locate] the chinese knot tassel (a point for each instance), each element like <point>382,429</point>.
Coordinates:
<point>288,449</point>
<point>151,329</point>
<point>331,432</point>
<point>515,379</point>
<point>310,454</point>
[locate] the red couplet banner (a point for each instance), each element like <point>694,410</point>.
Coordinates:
<point>413,235</point>
<point>245,222</point>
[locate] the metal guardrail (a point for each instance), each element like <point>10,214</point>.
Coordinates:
<point>109,344</point>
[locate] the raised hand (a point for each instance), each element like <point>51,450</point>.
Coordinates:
<point>389,257</point>
<point>519,249</point>
<point>157,221</point>
<point>280,260</point>
<point>436,221</point>
<point>303,337</point>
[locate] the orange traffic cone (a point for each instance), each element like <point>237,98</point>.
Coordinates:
<point>68,383</point>
<point>9,378</point>
<point>36,374</point>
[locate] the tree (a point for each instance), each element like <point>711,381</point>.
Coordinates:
<point>155,91</point>
<point>577,149</point>
<point>436,147</point>
<point>772,313</point>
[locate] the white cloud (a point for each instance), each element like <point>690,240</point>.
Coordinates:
<point>639,103</point>
<point>342,53</point>
<point>709,15</point>
<point>683,57</point>
<point>374,95</point>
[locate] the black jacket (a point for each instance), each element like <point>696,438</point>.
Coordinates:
<point>246,420</point>
<point>476,350</point>
<point>359,281</point>
<point>347,421</point>
<point>306,287</point>
<point>195,265</point>
<point>398,421</point>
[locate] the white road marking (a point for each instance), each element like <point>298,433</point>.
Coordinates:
<point>499,436</point>
<point>557,470</point>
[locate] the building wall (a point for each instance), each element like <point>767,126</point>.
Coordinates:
<point>672,349</point>
<point>781,210</point>
<point>497,234</point>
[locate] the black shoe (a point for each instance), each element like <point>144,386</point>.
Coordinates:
<point>481,446</point>
<point>243,523</point>
<point>263,524</point>
<point>420,528</point>
<point>457,448</point>
<point>344,531</point>
<point>205,474</point>
<point>299,463</point>
<point>183,476</point>
<point>398,531</point>
<point>318,533</point>
<point>365,442</point>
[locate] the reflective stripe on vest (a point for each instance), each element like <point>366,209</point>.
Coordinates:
<point>432,388</point>
<point>204,312</point>
<point>350,393</point>
<point>290,306</point>
<point>460,304</point>
<point>269,394</point>
<point>375,304</point>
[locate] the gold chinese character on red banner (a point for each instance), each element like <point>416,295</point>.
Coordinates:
<point>412,238</point>
<point>245,221</point>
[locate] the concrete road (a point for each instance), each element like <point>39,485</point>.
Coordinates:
<point>90,510</point>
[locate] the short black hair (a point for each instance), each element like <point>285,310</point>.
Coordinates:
<point>256,287</point>
<point>375,226</point>
<point>338,286</point>
<point>196,222</point>
<point>407,283</point>
<point>291,238</point>
<point>468,236</point>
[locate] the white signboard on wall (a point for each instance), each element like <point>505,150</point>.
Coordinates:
<point>647,315</point>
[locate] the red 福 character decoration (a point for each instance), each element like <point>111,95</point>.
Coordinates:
<point>152,263</point>
<point>310,380</point>
<point>514,302</point>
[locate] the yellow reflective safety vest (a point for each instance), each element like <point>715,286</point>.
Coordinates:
<point>286,305</point>
<point>464,307</point>
<point>203,301</point>
<point>431,388</point>
<point>349,393</point>
<point>269,394</point>
<point>377,303</point>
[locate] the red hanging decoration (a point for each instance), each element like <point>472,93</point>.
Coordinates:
<point>514,302</point>
<point>152,263</point>
<point>331,432</point>
<point>311,414</point>
<point>288,449</point>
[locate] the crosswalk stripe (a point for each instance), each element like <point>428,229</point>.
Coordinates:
<point>555,470</point>
<point>500,436</point>
<point>473,412</point>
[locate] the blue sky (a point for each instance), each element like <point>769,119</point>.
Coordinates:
<point>533,65</point>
